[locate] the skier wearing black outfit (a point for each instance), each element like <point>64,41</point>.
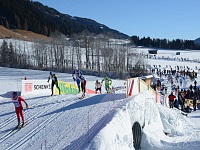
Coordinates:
<point>54,82</point>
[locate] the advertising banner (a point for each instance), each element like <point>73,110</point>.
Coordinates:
<point>66,88</point>
<point>35,87</point>
<point>42,87</point>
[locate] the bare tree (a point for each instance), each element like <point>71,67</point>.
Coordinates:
<point>86,51</point>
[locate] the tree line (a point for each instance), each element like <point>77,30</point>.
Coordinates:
<point>96,55</point>
<point>164,43</point>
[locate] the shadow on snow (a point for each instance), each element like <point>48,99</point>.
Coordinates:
<point>100,98</point>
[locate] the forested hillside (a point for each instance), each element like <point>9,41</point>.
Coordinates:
<point>35,17</point>
<point>165,43</point>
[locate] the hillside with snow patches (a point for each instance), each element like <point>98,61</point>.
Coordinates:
<point>100,121</point>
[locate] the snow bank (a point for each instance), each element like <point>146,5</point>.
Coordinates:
<point>117,134</point>
<point>174,122</point>
<point>155,120</point>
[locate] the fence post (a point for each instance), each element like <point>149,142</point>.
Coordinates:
<point>139,84</point>
<point>17,85</point>
<point>88,127</point>
<point>127,88</point>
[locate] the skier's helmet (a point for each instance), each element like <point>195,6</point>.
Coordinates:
<point>14,94</point>
<point>51,73</point>
<point>97,81</point>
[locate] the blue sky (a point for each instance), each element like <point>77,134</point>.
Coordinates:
<point>170,19</point>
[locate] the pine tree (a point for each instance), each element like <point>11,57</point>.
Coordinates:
<point>7,24</point>
<point>4,54</point>
<point>25,26</point>
<point>17,22</point>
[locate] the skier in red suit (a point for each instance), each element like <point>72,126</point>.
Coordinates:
<point>17,101</point>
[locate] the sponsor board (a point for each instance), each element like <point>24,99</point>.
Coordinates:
<point>68,88</point>
<point>42,87</point>
<point>32,87</point>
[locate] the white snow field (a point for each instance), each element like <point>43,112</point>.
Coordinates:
<point>97,122</point>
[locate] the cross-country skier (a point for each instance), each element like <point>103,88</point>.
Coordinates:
<point>97,86</point>
<point>75,76</point>
<point>107,82</point>
<point>83,84</point>
<point>54,82</point>
<point>17,101</point>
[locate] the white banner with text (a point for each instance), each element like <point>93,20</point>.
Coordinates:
<point>34,87</point>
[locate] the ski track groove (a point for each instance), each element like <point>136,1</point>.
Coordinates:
<point>11,119</point>
<point>63,136</point>
<point>77,145</point>
<point>70,137</point>
<point>33,132</point>
<point>38,128</point>
<point>7,135</point>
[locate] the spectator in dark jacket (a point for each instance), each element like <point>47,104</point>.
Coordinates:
<point>187,97</point>
<point>171,100</point>
<point>191,87</point>
<point>187,94</point>
<point>181,100</point>
<point>176,104</point>
<point>195,100</point>
<point>195,83</point>
<point>191,94</point>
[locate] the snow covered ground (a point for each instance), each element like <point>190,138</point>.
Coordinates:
<point>100,121</point>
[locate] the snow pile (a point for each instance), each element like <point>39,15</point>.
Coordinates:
<point>117,134</point>
<point>174,122</point>
<point>156,121</point>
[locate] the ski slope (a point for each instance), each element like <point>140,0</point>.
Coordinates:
<point>53,121</point>
<point>100,121</point>
<point>64,115</point>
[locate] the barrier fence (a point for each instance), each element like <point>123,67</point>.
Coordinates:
<point>137,85</point>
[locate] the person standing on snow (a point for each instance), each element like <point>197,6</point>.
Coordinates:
<point>17,101</point>
<point>195,97</point>
<point>181,100</point>
<point>82,79</point>
<point>107,83</point>
<point>195,82</point>
<point>171,100</point>
<point>75,76</point>
<point>181,82</point>
<point>54,82</point>
<point>97,86</point>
